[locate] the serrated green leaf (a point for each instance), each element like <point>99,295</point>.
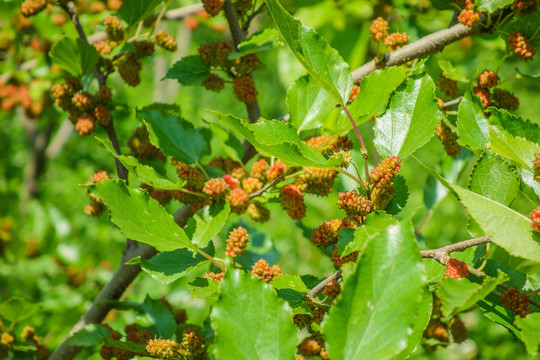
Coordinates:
<point>175,136</point>
<point>189,70</point>
<point>451,72</point>
<point>74,55</point>
<point>287,281</point>
<point>399,201</point>
<point>504,226</point>
<point>204,289</point>
<point>309,104</point>
<point>17,309</point>
<point>530,187</point>
<point>228,142</point>
<point>315,54</point>
<point>207,223</point>
<point>530,331</point>
<point>458,295</point>
<point>411,119</point>
<point>374,224</point>
<point>264,40</point>
<point>168,266</point>
<point>248,309</point>
<point>498,314</point>
<point>279,139</point>
<point>144,173</point>
<point>140,217</point>
<point>512,147</point>
<point>378,304</point>
<point>161,317</point>
<point>494,178</point>
<point>90,335</point>
<point>133,11</point>
<point>515,125</point>
<point>126,345</point>
<point>492,5</point>
<point>472,124</point>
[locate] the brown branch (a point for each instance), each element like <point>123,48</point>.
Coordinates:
<point>320,286</point>
<point>451,103</point>
<point>263,189</point>
<point>443,254</point>
<point>182,12</point>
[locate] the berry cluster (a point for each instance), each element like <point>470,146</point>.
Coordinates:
<point>194,183</point>
<point>332,289</point>
<point>316,181</point>
<point>215,54</point>
<point>378,29</point>
<point>385,172</point>
<point>139,143</point>
<point>14,94</point>
<point>214,83</point>
<point>33,7</point>
<point>338,260</point>
<point>448,86</point>
<point>448,139</point>
<point>244,89</point>
<point>265,272</point>
<point>164,349</point>
<point>212,7</point>
<point>9,343</point>
<point>216,277</point>
<point>327,234</point>
<point>354,93</point>
<point>483,94</point>
<point>469,17</point>
<point>114,28</point>
<point>237,242</point>
<point>535,218</point>
<point>354,204</point>
<point>245,65</point>
<point>456,269</point>
<point>458,330</point>
<point>192,343</point>
<point>161,196</point>
<point>258,212</point>
<point>252,185</point>
<point>396,40</point>
<point>521,46</point>
<point>217,189</point>
<point>487,79</point>
<point>243,6</point>
<point>292,201</point>
<point>516,302</point>
<point>165,41</point>
<point>504,99</point>
<point>238,200</point>
<point>96,206</point>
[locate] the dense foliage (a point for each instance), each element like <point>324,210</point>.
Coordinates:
<point>243,179</point>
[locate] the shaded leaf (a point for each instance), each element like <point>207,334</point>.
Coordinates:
<point>530,331</point>
<point>287,281</point>
<point>161,317</point>
<point>207,223</point>
<point>189,70</point>
<point>472,124</point>
<point>263,40</point>
<point>374,224</point>
<point>17,309</point>
<point>74,55</point>
<point>134,11</point>
<point>512,147</point>
<point>515,125</point>
<point>89,335</point>
<point>451,72</point>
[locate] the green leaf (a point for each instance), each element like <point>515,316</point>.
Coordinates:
<point>515,125</point>
<point>207,223</point>
<point>458,295</point>
<point>374,224</point>
<point>189,70</point>
<point>312,51</point>
<point>228,142</point>
<point>144,173</point>
<point>512,147</point>
<point>90,335</point>
<point>451,72</point>
<point>379,303</point>
<point>168,266</point>
<point>504,226</point>
<point>161,317</point>
<point>17,309</point>
<point>494,178</point>
<point>375,91</point>
<point>134,11</point>
<point>293,282</point>
<point>399,201</point>
<point>264,40</point>
<point>74,55</point>
<point>411,119</point>
<point>472,124</point>
<point>491,5</point>
<point>530,331</point>
<point>204,289</point>
<point>140,217</point>
<point>309,104</point>
<point>176,136</point>
<point>279,139</point>
<point>126,345</point>
<point>249,310</point>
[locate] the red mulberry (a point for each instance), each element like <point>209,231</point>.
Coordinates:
<point>292,201</point>
<point>237,242</point>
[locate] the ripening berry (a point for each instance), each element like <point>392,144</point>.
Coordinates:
<point>456,269</point>
<point>258,212</point>
<point>483,94</point>
<point>244,89</point>
<point>214,83</point>
<point>33,7</point>
<point>144,48</point>
<point>316,181</point>
<point>354,204</point>
<point>102,115</point>
<point>332,289</point>
<point>386,171</point>
<point>278,169</point>
<point>448,139</point>
<point>216,277</point>
<point>259,169</point>
<point>28,333</point>
<point>114,28</point>
<point>354,93</point>
<point>238,200</point>
<point>292,201</point>
<point>302,320</point>
<point>85,125</point>
<point>95,209</point>
<point>327,233</point>
<point>536,167</point>
<point>212,7</point>
<point>265,272</point>
<point>505,100</point>
<point>396,40</point>
<point>516,302</point>
<point>246,64</point>
<point>309,347</point>
<point>448,86</point>
<point>165,349</point>
<point>193,342</point>
<point>165,41</point>
<point>378,29</point>
<point>468,17</point>
<point>524,6</point>
<point>194,183</point>
<point>161,196</point>
<point>99,176</point>
<point>104,47</point>
<point>140,145</point>
<point>217,189</point>
<point>231,181</point>
<point>458,330</point>
<point>243,6</point>
<point>103,95</point>
<point>338,261</point>
<point>487,79</point>
<point>7,339</point>
<point>521,46</point>
<point>215,54</point>
<point>83,101</point>
<point>129,69</point>
<point>382,195</point>
<point>237,242</point>
<point>535,218</point>
<point>438,330</point>
<point>322,144</point>
<point>251,185</point>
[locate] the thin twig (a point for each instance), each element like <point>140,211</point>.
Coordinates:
<point>266,187</point>
<point>451,103</point>
<point>443,254</point>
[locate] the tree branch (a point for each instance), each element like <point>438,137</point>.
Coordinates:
<point>182,12</point>
<point>443,254</point>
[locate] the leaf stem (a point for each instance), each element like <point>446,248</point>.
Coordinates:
<point>359,181</point>
<point>212,260</point>
<point>485,258</point>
